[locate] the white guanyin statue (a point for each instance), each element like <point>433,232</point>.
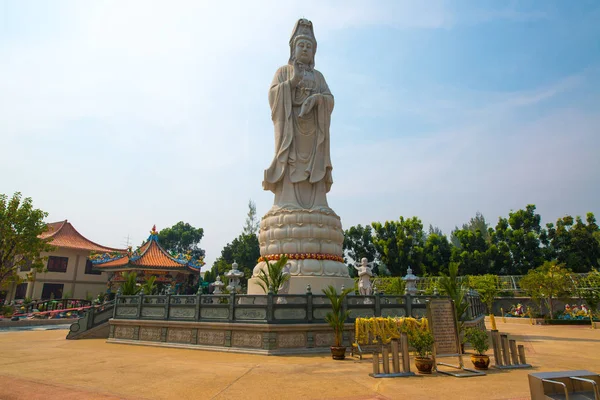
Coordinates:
<point>301,224</point>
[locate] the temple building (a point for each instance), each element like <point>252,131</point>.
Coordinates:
<point>180,272</point>
<point>70,272</point>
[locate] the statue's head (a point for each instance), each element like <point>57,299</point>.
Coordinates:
<point>303,44</point>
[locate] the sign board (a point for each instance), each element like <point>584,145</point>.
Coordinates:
<point>442,323</point>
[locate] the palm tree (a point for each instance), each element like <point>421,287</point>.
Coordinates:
<point>149,287</point>
<point>130,287</point>
<point>455,290</point>
<point>336,318</point>
<point>274,278</point>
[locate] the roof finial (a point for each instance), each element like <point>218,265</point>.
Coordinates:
<point>153,231</point>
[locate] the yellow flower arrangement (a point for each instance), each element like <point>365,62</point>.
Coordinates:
<point>370,330</point>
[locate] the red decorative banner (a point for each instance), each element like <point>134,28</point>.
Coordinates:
<point>302,256</point>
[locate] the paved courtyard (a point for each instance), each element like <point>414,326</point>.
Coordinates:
<point>43,365</point>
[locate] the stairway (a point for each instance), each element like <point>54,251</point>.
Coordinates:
<point>94,323</point>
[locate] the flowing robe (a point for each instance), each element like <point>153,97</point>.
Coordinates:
<point>300,173</point>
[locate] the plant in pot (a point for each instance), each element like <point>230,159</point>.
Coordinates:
<point>479,341</point>
<point>422,341</point>
<point>336,319</point>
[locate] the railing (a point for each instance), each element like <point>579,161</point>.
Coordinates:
<point>93,317</point>
<point>504,283</point>
<point>271,309</point>
<point>52,305</point>
<point>476,306</point>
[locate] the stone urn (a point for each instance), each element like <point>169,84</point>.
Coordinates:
<point>480,361</point>
<point>424,364</point>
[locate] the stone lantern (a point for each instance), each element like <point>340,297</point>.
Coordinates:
<point>411,282</point>
<point>234,276</point>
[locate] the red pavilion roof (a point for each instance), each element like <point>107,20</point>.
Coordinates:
<point>149,255</point>
<point>63,234</point>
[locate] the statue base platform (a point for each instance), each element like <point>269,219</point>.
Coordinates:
<point>298,284</point>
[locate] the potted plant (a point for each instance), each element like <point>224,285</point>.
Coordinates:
<point>422,341</point>
<point>336,319</point>
<point>479,341</point>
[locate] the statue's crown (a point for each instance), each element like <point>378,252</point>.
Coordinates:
<point>303,28</point>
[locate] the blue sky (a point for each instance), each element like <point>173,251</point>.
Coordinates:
<point>121,115</point>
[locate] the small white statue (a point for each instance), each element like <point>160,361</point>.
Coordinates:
<point>364,274</point>
<point>284,288</point>
<point>218,285</point>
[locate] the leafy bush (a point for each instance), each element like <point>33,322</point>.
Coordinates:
<point>149,287</point>
<point>7,311</point>
<point>422,341</point>
<point>478,339</point>
<point>548,282</point>
<point>486,286</point>
<point>130,287</point>
<point>392,286</point>
<point>274,278</point>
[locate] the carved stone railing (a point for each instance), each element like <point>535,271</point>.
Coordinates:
<point>93,317</point>
<point>269,309</point>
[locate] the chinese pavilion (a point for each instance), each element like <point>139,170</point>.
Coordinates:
<point>180,271</point>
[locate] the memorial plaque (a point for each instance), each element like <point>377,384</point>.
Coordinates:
<point>443,326</point>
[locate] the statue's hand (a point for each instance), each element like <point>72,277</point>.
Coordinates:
<point>309,103</point>
<point>298,74</point>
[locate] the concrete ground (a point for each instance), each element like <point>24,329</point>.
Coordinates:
<point>43,365</point>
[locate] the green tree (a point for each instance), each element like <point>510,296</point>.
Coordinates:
<point>252,223</point>
<point>358,243</point>
<point>574,243</point>
<point>208,276</point>
<point>548,282</point>
<point>521,236</point>
<point>20,245</point>
<point>244,250</point>
<point>486,286</point>
<point>400,244</point>
<point>589,289</point>
<point>473,252</point>
<point>435,230</point>
<point>182,238</point>
<point>477,223</point>
<point>436,254</point>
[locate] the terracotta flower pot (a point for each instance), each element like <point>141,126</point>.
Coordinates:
<point>424,364</point>
<point>480,361</point>
<point>338,352</point>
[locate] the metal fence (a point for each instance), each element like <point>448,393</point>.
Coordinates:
<point>272,309</point>
<point>505,283</point>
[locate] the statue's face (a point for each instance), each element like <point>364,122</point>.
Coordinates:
<point>304,51</point>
